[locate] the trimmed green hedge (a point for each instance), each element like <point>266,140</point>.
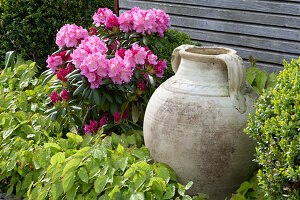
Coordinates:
<point>29,27</point>
<point>276,127</point>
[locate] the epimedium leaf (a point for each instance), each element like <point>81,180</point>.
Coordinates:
<point>68,181</point>
<point>77,139</point>
<point>44,157</point>
<point>9,59</point>
<point>115,193</point>
<point>56,190</point>
<point>137,196</point>
<point>100,183</point>
<point>261,79</point>
<point>52,145</point>
<point>58,158</point>
<point>71,194</point>
<point>170,192</point>
<point>27,181</point>
<point>189,185</point>
<point>83,175</point>
<point>72,165</point>
<point>163,173</point>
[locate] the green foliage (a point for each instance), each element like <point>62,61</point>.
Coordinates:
<point>164,47</point>
<point>29,27</point>
<point>36,163</point>
<point>250,190</point>
<point>275,126</point>
<point>259,79</point>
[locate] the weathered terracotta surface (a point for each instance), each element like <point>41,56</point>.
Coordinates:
<point>194,121</point>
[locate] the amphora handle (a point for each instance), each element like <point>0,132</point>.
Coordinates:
<point>236,74</point>
<point>176,58</point>
<point>236,79</point>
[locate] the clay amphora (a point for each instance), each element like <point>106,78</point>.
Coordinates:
<point>194,121</point>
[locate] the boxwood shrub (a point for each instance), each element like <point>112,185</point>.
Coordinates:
<point>165,47</point>
<point>29,27</point>
<point>276,127</point>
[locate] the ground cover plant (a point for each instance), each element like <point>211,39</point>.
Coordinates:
<point>57,142</point>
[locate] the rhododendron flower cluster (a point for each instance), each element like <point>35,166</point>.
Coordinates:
<point>105,16</point>
<point>114,70</point>
<point>92,128</point>
<point>144,21</point>
<point>104,119</point>
<point>70,35</point>
<point>57,60</point>
<point>62,73</point>
<point>117,117</point>
<point>64,95</point>
<point>54,97</point>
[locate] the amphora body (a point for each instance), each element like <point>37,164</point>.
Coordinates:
<point>194,121</point>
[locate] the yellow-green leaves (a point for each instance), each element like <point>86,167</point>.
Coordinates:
<point>68,181</point>
<point>75,138</point>
<point>100,183</point>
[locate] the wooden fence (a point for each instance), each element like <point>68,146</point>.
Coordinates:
<point>267,30</point>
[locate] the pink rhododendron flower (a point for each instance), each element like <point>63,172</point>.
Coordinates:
<point>119,71</point>
<point>117,117</point>
<point>159,68</point>
<point>53,62</point>
<point>144,21</point>
<point>105,16</point>
<point>125,114</point>
<point>151,59</point>
<point>92,128</point>
<point>121,52</point>
<point>126,19</point>
<point>70,35</point>
<point>90,45</point>
<point>140,54</point>
<point>64,95</point>
<point>54,97</point>
<point>95,68</point>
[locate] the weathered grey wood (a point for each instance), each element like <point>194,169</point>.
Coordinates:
<point>267,30</point>
<point>260,55</point>
<point>243,40</point>
<point>268,67</point>
<point>279,7</point>
<point>234,27</point>
<point>217,13</point>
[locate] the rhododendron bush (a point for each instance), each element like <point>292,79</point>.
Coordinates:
<point>105,76</point>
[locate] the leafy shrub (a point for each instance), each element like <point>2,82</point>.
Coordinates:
<point>164,47</point>
<point>275,126</point>
<point>36,162</point>
<point>259,79</point>
<point>29,27</point>
<point>114,77</point>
